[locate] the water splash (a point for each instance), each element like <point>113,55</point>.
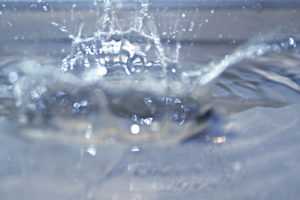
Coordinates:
<point>125,80</point>
<point>111,50</point>
<point>138,51</point>
<point>213,70</point>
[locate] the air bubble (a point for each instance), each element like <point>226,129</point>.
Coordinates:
<point>135,129</point>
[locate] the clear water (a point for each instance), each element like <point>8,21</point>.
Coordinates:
<point>117,96</point>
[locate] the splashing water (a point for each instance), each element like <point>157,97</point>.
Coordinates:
<point>111,50</point>
<point>123,85</point>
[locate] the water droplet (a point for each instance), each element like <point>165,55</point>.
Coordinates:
<point>135,149</point>
<point>89,132</point>
<point>91,150</point>
<point>148,121</point>
<point>183,15</point>
<point>45,8</point>
<point>292,42</point>
<point>63,29</point>
<point>135,129</point>
<point>78,105</point>
<point>218,139</point>
<point>212,11</point>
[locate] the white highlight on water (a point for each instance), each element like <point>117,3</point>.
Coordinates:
<point>208,73</point>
